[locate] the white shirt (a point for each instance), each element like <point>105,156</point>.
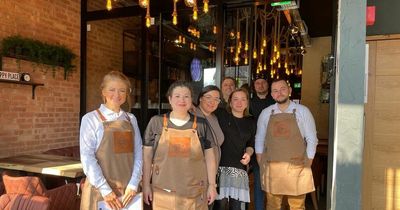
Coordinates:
<point>304,119</point>
<point>91,134</point>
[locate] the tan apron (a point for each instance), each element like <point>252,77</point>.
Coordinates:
<point>115,157</point>
<point>282,163</point>
<point>179,177</point>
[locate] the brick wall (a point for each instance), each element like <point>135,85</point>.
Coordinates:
<point>104,54</point>
<point>51,120</point>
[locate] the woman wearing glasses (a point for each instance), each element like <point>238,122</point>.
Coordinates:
<point>179,164</point>
<point>207,102</point>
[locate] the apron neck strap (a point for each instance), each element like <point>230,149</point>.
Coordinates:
<point>102,118</point>
<point>195,122</point>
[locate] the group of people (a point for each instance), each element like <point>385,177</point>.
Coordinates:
<point>197,157</point>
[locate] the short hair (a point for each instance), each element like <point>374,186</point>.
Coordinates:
<point>179,83</point>
<point>231,78</point>
<point>117,75</point>
<point>207,89</point>
<point>278,80</point>
<point>246,112</point>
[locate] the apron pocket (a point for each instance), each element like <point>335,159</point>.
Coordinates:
<point>163,199</point>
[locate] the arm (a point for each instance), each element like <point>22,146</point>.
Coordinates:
<point>88,146</point>
<point>211,174</point>
<point>261,132</point>
<point>310,135</point>
<point>132,187</point>
<point>88,141</point>
<point>147,161</point>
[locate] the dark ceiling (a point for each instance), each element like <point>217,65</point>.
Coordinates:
<point>317,14</point>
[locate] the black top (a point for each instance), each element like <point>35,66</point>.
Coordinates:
<point>257,104</point>
<point>154,129</point>
<point>239,133</point>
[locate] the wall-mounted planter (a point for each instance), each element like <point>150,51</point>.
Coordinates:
<point>38,52</point>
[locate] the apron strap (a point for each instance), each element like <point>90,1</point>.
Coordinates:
<point>294,114</point>
<point>195,122</point>
<point>165,121</point>
<point>102,118</point>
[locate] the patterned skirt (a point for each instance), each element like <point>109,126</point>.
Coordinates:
<point>234,183</point>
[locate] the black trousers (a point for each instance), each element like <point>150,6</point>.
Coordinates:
<point>224,204</point>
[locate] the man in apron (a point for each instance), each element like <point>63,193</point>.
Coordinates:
<point>285,145</point>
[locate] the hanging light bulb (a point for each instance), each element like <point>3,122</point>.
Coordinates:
<point>300,72</point>
<point>183,40</point>
<point>109,5</point>
<point>236,59</point>
<point>215,30</point>
<point>291,71</point>
<point>286,65</point>
<point>246,46</point>
<point>265,67</point>
<point>231,49</point>
<point>143,3</point>
<point>262,51</point>
<point>190,3</point>
<point>246,61</point>
<point>205,7</point>
<point>275,48</point>
<point>255,54</point>
<point>279,64</point>
<point>195,13</point>
<point>175,15</point>
<point>264,42</point>
<point>148,18</point>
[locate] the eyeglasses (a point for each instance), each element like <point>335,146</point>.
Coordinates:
<point>211,99</point>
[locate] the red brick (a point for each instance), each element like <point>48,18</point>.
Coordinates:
<point>31,121</point>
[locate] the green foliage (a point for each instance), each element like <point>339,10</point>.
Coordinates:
<point>38,52</point>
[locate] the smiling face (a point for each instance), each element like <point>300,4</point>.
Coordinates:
<point>280,91</point>
<point>209,101</point>
<point>115,93</point>
<point>239,101</point>
<point>180,99</point>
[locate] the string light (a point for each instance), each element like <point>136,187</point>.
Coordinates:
<point>109,5</point>
<point>175,14</point>
<point>205,7</point>
<point>215,30</point>
<point>143,3</point>
<point>148,18</point>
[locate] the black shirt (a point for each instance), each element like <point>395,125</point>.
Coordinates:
<point>257,104</point>
<point>239,133</point>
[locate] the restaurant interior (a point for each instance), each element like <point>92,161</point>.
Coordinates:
<point>155,43</point>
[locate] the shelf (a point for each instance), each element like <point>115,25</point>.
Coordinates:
<point>33,84</point>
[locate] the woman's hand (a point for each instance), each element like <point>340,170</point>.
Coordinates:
<point>128,196</point>
<point>112,201</point>
<point>147,194</point>
<point>211,193</point>
<point>245,159</point>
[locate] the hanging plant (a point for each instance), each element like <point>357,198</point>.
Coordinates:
<point>38,52</point>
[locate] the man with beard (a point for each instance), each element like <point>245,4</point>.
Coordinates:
<point>285,145</point>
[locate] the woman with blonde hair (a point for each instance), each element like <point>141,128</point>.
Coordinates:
<point>111,148</point>
<point>239,129</point>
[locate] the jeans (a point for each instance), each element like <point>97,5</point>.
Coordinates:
<point>258,193</point>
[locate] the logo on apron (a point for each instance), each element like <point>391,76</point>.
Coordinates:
<point>179,147</point>
<point>280,129</point>
<point>123,141</point>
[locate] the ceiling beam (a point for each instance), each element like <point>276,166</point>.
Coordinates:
<point>115,13</point>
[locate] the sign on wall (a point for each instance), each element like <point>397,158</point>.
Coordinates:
<point>9,75</point>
